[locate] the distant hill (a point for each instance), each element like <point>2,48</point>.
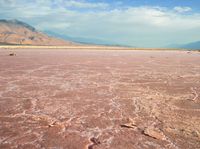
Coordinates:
<point>193,45</point>
<point>85,40</point>
<point>14,32</point>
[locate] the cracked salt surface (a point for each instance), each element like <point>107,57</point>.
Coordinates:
<point>89,99</point>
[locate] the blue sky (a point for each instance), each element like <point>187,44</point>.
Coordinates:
<point>140,23</point>
<point>162,3</point>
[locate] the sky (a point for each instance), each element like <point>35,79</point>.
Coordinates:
<point>138,23</point>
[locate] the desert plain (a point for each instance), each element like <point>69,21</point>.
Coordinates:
<point>99,99</point>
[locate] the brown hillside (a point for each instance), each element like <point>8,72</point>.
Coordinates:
<point>17,32</point>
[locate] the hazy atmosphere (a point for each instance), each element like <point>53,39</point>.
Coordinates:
<point>137,23</point>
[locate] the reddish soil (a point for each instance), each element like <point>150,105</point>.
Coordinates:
<point>64,99</point>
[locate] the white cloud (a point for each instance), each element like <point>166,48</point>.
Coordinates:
<point>182,9</point>
<point>82,4</point>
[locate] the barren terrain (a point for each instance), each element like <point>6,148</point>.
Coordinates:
<point>66,99</point>
<point>14,32</point>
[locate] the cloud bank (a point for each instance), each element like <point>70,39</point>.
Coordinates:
<point>140,26</point>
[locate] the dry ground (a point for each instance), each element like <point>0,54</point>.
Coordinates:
<point>65,99</point>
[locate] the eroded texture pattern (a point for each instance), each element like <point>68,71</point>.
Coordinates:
<point>61,99</point>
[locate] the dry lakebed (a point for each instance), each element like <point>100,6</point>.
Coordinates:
<point>99,99</point>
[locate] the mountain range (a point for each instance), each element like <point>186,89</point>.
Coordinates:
<point>14,32</point>
<point>84,40</point>
<point>192,45</point>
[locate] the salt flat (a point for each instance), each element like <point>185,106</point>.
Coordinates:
<point>88,99</point>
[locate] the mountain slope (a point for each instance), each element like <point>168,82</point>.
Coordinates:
<point>20,33</point>
<point>85,40</point>
<point>193,45</point>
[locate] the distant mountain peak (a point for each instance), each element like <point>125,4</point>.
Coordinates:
<point>17,22</point>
